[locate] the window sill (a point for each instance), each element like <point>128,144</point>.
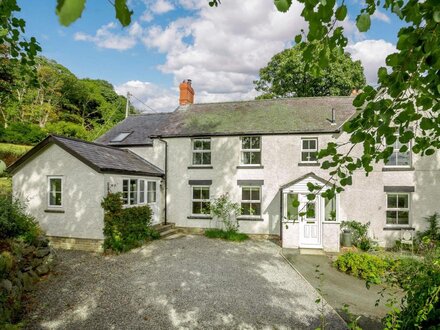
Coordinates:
<point>250,219</point>
<point>398,228</point>
<point>195,167</point>
<point>53,211</point>
<point>201,217</point>
<point>397,169</point>
<point>250,166</point>
<point>309,164</point>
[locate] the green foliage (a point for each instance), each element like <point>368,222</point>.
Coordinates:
<point>286,76</point>
<point>365,266</point>
<point>227,211</point>
<point>420,281</point>
<point>225,234</point>
<point>15,223</point>
<point>22,133</point>
<point>359,233</point>
<point>432,233</point>
<point>125,228</point>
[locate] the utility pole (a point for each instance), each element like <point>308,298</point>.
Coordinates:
<point>127,106</point>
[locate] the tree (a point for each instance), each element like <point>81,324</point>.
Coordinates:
<point>286,76</point>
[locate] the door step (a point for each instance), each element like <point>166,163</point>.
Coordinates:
<point>167,231</point>
<point>314,252</point>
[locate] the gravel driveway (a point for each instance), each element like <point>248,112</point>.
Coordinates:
<point>186,283</point>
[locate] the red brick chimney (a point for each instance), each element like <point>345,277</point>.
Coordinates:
<point>186,92</point>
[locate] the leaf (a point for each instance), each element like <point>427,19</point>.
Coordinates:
<point>123,14</point>
<point>426,124</point>
<point>363,22</point>
<point>436,16</point>
<point>69,11</point>
<point>341,13</point>
<point>283,5</point>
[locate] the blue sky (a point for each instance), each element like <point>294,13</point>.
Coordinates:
<point>220,49</point>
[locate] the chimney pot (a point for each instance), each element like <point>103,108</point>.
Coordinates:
<point>186,92</point>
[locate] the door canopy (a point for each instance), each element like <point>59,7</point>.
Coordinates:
<point>300,185</point>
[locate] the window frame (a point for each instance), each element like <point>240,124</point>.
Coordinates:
<point>397,209</point>
<point>251,150</point>
<point>139,192</point>
<point>199,200</point>
<point>202,151</point>
<point>147,199</point>
<point>251,201</point>
<point>49,178</point>
<point>397,152</point>
<point>316,150</point>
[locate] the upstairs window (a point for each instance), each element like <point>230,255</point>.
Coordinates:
<point>201,204</point>
<point>251,201</point>
<point>55,191</point>
<point>398,157</point>
<point>309,150</point>
<point>201,150</point>
<point>251,150</point>
<point>120,137</point>
<point>398,207</point>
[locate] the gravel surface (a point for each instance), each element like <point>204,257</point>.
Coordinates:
<point>187,283</point>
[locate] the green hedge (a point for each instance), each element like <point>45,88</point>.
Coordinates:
<point>125,228</point>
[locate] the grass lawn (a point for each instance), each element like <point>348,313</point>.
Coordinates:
<point>16,149</point>
<point>227,235</point>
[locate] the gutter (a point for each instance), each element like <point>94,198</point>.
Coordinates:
<point>165,178</point>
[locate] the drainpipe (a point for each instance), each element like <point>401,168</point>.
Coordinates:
<point>165,177</point>
<point>281,216</point>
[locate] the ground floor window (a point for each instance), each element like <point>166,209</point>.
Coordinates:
<point>55,191</point>
<point>133,191</point>
<point>201,203</point>
<point>251,201</point>
<point>398,206</point>
<point>330,209</point>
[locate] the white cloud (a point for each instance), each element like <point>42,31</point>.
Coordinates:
<point>380,16</point>
<point>158,98</point>
<point>372,54</point>
<point>105,37</point>
<point>161,7</point>
<point>222,49</point>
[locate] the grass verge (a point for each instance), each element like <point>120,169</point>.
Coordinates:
<point>226,235</point>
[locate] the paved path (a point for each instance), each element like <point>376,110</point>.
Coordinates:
<point>186,283</point>
<point>340,289</point>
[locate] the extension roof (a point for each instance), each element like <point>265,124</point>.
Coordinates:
<point>101,158</point>
<point>300,115</point>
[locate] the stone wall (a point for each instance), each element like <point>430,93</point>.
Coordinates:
<point>69,243</point>
<point>21,266</point>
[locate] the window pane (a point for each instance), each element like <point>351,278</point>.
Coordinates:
<point>197,158</point>
<point>125,192</point>
<point>246,143</point>
<point>330,209</point>
<point>245,208</point>
<point>141,191</point>
<point>292,211</point>
<point>403,217</point>
<point>312,156</point>
<point>198,144</point>
<point>312,144</point>
<point>255,143</point>
<point>392,201</point>
<point>255,194</point>
<point>403,201</point>
<point>55,184</point>
<point>197,208</point>
<point>255,209</point>
<point>255,157</point>
<point>246,194</point>
<point>246,157</point>
<point>197,193</point>
<point>392,161</point>
<point>403,158</point>
<point>305,144</point>
<point>391,217</point>
<point>206,207</point>
<point>205,193</point>
<point>310,210</point>
<point>304,156</point>
<point>207,145</point>
<point>55,188</point>
<point>206,158</point>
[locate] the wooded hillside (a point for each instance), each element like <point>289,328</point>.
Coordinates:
<point>55,101</point>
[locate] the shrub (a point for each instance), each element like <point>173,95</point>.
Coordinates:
<point>125,229</point>
<point>359,234</point>
<point>433,231</point>
<point>227,235</point>
<point>15,223</point>
<point>227,211</point>
<point>363,265</point>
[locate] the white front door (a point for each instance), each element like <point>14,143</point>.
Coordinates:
<point>310,223</point>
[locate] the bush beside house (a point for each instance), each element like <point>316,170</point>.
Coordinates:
<point>25,257</point>
<point>126,228</point>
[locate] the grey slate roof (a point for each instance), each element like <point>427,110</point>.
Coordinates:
<point>101,158</point>
<point>278,116</point>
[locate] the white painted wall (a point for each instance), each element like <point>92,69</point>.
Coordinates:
<point>364,201</point>
<point>83,190</point>
<point>154,154</point>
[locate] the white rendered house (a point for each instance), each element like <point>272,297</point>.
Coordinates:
<point>262,153</point>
